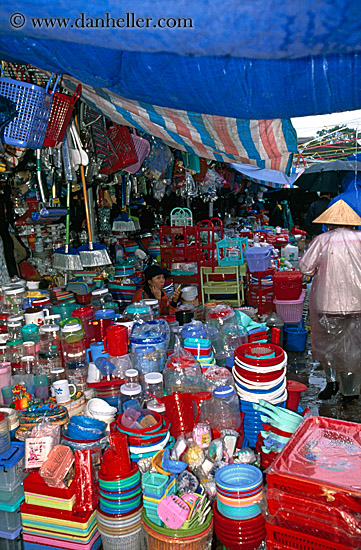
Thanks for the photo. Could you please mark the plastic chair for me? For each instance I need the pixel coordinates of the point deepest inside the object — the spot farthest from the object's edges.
(180, 217)
(210, 286)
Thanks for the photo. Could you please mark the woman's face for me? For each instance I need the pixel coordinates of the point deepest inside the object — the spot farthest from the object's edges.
(158, 281)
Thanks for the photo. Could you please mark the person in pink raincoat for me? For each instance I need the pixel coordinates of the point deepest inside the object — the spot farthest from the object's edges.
(333, 259)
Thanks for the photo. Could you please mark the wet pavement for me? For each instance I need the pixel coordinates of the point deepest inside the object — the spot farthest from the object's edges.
(303, 368)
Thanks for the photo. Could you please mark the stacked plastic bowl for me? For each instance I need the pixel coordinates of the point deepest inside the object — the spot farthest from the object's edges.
(238, 521)
(259, 373)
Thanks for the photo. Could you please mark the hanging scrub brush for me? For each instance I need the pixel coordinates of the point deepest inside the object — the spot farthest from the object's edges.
(67, 258)
(91, 254)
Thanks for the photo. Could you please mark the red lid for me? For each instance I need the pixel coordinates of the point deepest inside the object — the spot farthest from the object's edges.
(202, 396)
(83, 312)
(2, 416)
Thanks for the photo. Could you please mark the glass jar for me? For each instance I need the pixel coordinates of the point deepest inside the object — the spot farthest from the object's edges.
(30, 348)
(19, 317)
(100, 298)
(153, 384)
(154, 305)
(225, 411)
(14, 329)
(129, 392)
(14, 299)
(27, 365)
(14, 352)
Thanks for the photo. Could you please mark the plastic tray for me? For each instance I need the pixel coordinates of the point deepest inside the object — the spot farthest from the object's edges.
(12, 467)
(33, 543)
(38, 493)
(322, 460)
(279, 538)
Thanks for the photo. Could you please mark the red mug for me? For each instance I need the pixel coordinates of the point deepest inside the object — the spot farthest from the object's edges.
(116, 340)
(100, 327)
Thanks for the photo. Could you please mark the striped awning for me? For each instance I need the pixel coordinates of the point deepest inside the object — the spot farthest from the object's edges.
(263, 143)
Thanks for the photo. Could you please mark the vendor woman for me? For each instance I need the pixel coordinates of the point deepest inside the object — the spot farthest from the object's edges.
(153, 288)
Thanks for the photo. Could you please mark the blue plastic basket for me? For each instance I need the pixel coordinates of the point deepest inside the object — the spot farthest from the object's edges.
(230, 251)
(258, 258)
(33, 104)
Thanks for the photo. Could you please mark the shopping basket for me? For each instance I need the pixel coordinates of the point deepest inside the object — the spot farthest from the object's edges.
(60, 114)
(142, 149)
(33, 104)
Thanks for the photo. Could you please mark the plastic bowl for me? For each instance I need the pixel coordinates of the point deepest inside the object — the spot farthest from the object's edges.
(235, 477)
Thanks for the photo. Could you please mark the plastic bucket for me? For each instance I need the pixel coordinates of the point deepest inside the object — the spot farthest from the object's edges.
(295, 339)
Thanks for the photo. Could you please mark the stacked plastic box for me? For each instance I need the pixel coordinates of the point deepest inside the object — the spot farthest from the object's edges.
(11, 496)
(314, 490)
(49, 521)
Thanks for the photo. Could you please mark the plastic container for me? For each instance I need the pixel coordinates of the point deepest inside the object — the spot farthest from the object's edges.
(287, 285)
(129, 392)
(5, 377)
(85, 314)
(258, 258)
(225, 413)
(100, 297)
(13, 299)
(50, 338)
(30, 333)
(12, 467)
(11, 540)
(4, 433)
(10, 519)
(73, 343)
(27, 365)
(13, 329)
(295, 338)
(139, 311)
(153, 383)
(290, 310)
(14, 353)
(229, 334)
(154, 305)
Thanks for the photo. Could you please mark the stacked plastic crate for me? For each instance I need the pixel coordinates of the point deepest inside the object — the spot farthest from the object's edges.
(313, 488)
(11, 496)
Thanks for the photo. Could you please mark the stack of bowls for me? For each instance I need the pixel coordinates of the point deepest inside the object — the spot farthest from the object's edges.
(259, 373)
(244, 534)
(101, 410)
(120, 494)
(239, 490)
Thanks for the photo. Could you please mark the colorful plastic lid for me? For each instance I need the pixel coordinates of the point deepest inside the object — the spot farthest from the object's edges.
(30, 329)
(104, 314)
(223, 391)
(100, 291)
(49, 328)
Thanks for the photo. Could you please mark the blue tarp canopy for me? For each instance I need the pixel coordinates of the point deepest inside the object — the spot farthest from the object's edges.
(259, 59)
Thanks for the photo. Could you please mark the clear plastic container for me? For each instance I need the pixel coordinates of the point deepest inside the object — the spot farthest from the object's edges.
(30, 333)
(145, 359)
(50, 338)
(228, 334)
(129, 392)
(4, 433)
(27, 363)
(154, 305)
(14, 353)
(13, 329)
(86, 316)
(131, 376)
(12, 467)
(225, 413)
(74, 353)
(10, 518)
(5, 377)
(153, 383)
(216, 376)
(100, 298)
(139, 311)
(182, 373)
(14, 299)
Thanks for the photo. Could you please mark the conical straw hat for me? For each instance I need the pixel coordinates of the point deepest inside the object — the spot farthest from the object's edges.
(340, 213)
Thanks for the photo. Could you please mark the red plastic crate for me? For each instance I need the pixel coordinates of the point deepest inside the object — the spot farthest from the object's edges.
(287, 285)
(279, 538)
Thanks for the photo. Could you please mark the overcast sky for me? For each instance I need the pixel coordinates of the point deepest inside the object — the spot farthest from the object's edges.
(307, 126)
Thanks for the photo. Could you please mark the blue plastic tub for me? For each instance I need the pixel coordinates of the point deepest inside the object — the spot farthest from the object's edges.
(294, 338)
